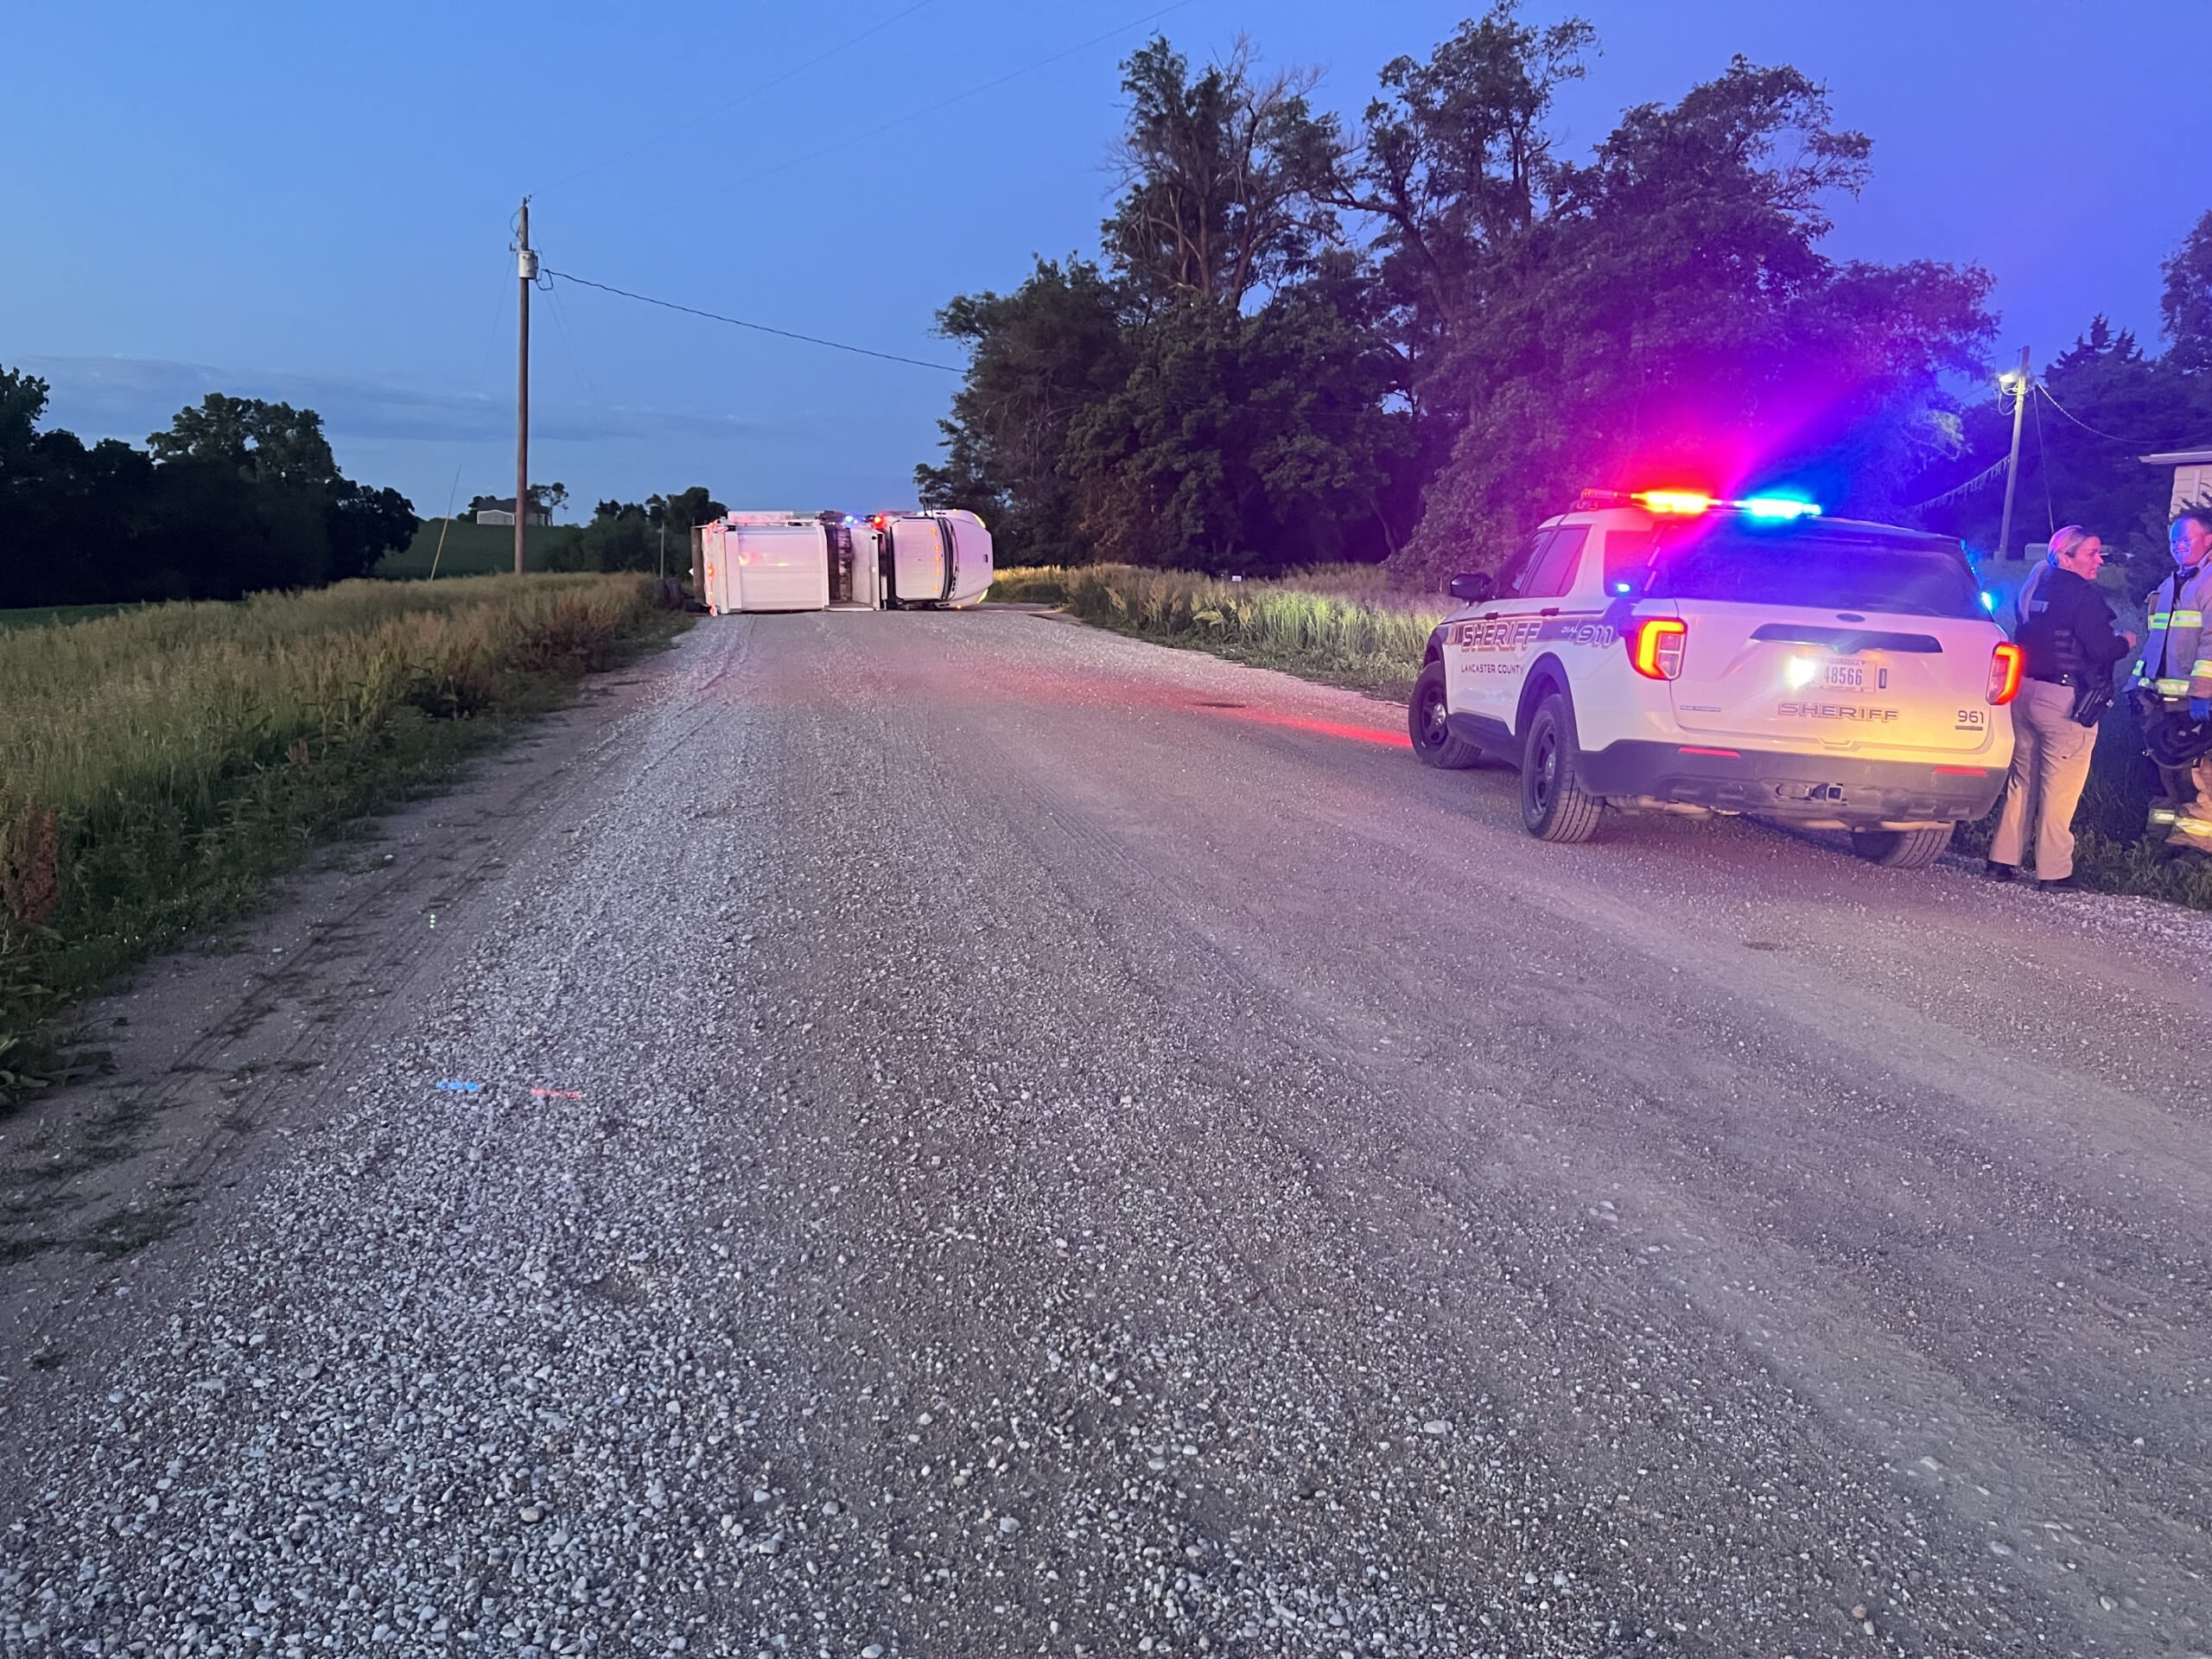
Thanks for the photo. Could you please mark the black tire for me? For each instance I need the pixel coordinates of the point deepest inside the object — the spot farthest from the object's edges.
(1554, 804)
(1426, 723)
(1901, 850)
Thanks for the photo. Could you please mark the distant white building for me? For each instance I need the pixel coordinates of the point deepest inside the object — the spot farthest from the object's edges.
(2192, 477)
(503, 513)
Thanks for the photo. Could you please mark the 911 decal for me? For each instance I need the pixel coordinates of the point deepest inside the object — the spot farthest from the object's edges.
(1516, 632)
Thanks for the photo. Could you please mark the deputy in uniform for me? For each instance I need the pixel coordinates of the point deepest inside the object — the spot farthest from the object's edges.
(2174, 673)
(2067, 636)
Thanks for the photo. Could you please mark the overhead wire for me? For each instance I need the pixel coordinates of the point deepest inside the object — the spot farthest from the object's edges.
(576, 360)
(758, 327)
(2042, 470)
(933, 107)
(2109, 437)
(1982, 480)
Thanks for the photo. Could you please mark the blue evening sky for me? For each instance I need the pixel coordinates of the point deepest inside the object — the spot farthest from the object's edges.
(312, 202)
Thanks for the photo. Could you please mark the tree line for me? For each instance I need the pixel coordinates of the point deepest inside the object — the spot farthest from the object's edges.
(238, 495)
(1409, 338)
(654, 534)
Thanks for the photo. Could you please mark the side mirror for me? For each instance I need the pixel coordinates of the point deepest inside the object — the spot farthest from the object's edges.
(1472, 587)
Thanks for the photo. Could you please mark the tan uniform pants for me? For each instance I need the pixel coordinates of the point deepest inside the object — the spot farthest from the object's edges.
(2050, 763)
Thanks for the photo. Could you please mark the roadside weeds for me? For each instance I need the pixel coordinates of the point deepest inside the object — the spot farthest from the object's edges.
(166, 764)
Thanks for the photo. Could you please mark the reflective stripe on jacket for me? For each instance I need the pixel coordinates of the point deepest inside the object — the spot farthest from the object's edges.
(2176, 660)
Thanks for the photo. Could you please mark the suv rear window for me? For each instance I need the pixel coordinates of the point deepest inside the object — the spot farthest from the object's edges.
(1826, 567)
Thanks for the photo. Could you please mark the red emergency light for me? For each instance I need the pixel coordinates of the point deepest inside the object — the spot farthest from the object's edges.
(1683, 501)
(1688, 504)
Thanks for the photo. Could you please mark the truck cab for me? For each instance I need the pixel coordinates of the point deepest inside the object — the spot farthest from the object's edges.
(932, 559)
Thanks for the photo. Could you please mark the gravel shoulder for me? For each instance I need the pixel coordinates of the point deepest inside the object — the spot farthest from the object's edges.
(995, 1137)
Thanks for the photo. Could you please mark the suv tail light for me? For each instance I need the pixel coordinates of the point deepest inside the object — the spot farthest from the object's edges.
(2005, 666)
(1655, 647)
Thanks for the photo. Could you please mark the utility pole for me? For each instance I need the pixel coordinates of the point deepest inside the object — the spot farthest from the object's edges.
(2018, 382)
(527, 270)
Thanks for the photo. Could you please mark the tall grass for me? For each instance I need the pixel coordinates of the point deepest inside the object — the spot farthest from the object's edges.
(1341, 624)
(157, 766)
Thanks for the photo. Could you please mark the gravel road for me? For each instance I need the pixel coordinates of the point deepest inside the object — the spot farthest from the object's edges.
(982, 1136)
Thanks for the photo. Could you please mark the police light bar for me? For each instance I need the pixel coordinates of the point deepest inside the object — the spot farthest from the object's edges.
(1690, 503)
(1775, 506)
(1674, 501)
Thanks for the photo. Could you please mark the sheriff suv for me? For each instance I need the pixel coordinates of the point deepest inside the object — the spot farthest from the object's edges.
(1666, 652)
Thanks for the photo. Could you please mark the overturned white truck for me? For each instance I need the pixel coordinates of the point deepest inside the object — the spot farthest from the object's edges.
(891, 562)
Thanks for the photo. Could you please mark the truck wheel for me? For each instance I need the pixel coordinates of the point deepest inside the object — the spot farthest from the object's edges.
(1553, 803)
(1428, 724)
(1901, 850)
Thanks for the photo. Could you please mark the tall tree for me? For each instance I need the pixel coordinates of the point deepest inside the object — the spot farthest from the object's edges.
(1038, 357)
(1248, 442)
(22, 402)
(2186, 306)
(237, 495)
(1455, 167)
(1226, 178)
(270, 443)
(1672, 312)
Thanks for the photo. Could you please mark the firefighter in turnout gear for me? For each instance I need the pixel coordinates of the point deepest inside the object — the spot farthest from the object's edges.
(2173, 675)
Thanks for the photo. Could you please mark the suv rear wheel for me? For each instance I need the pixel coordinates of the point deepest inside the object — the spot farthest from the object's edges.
(1428, 722)
(1554, 804)
(1901, 850)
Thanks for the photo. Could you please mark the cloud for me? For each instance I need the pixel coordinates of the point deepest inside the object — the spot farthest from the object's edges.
(129, 396)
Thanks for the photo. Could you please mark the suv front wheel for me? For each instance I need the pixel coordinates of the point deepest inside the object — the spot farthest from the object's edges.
(1554, 804)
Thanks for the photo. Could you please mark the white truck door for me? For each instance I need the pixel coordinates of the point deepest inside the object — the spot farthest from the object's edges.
(779, 566)
(921, 563)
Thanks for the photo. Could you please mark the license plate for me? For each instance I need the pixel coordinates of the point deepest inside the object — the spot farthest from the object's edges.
(1849, 677)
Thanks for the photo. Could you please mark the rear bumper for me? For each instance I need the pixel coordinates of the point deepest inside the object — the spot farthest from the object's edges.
(1785, 785)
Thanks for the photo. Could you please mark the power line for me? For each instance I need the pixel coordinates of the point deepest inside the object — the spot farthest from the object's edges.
(1982, 480)
(577, 359)
(2043, 466)
(751, 91)
(758, 327)
(2133, 443)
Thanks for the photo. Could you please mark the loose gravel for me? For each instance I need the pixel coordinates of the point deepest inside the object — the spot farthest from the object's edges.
(995, 1137)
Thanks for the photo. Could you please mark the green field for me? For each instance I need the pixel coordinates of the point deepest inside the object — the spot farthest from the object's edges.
(471, 550)
(42, 615)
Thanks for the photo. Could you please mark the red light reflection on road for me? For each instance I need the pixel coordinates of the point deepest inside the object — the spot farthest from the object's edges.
(1325, 728)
